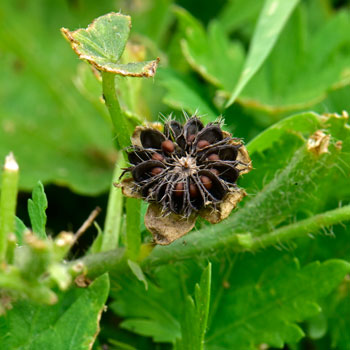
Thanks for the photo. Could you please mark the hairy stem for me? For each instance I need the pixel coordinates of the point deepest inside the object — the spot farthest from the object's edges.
(205, 242)
(9, 188)
(209, 241)
(115, 200)
(302, 228)
(118, 119)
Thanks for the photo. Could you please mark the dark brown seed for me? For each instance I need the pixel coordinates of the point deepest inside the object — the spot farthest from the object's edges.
(156, 170)
(190, 138)
(157, 156)
(168, 146)
(215, 171)
(179, 189)
(213, 157)
(206, 182)
(193, 190)
(202, 143)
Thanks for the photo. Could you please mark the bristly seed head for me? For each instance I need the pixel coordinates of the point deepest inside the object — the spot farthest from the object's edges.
(186, 168)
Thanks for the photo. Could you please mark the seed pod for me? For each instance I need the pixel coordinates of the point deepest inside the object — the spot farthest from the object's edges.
(189, 170)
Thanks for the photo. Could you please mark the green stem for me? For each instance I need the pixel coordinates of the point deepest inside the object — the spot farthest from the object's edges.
(118, 119)
(115, 201)
(299, 229)
(9, 188)
(133, 234)
(205, 244)
(209, 242)
(99, 263)
(114, 214)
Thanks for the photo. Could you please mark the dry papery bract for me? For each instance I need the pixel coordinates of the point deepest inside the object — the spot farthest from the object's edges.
(184, 171)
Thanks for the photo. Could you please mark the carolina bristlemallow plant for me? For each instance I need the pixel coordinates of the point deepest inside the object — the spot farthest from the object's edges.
(183, 171)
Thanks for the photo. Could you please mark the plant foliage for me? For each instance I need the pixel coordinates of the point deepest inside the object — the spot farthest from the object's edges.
(274, 274)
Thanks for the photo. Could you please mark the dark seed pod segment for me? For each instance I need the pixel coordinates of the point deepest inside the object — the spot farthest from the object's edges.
(186, 171)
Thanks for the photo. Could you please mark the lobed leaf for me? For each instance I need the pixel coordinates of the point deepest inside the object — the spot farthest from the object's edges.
(247, 309)
(195, 318)
(137, 271)
(338, 307)
(37, 210)
(266, 310)
(154, 312)
(20, 229)
(73, 323)
(316, 69)
(211, 54)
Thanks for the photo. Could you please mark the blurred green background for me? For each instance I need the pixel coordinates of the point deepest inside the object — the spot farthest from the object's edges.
(51, 112)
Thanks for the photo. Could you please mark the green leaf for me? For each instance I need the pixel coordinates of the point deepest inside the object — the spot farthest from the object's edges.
(236, 13)
(20, 229)
(212, 55)
(154, 312)
(288, 191)
(317, 326)
(337, 310)
(272, 19)
(103, 42)
(304, 123)
(97, 243)
(266, 310)
(72, 323)
(37, 210)
(279, 86)
(137, 271)
(247, 309)
(184, 95)
(194, 324)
